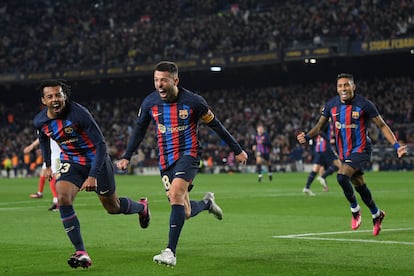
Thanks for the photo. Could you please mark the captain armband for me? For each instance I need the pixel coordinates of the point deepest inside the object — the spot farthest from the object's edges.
(208, 117)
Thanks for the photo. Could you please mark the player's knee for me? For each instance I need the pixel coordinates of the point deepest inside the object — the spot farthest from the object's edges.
(187, 213)
(342, 179)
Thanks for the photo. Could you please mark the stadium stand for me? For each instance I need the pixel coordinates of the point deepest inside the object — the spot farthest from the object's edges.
(43, 35)
(239, 109)
(46, 36)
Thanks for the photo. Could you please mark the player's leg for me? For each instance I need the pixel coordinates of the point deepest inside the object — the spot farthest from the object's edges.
(41, 184)
(119, 205)
(177, 195)
(193, 208)
(366, 196)
(67, 192)
(259, 167)
(67, 187)
(334, 162)
(344, 180)
(52, 185)
(311, 177)
(269, 169)
(321, 172)
(176, 180)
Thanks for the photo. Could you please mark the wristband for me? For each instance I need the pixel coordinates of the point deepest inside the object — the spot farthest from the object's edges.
(396, 146)
(307, 138)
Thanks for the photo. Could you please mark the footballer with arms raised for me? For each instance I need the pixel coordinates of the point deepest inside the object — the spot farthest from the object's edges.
(176, 113)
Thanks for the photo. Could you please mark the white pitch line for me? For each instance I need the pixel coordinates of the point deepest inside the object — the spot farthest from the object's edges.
(311, 236)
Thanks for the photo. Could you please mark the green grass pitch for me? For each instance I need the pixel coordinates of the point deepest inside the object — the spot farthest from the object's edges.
(268, 228)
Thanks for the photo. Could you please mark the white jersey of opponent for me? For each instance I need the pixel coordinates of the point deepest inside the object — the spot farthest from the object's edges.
(55, 156)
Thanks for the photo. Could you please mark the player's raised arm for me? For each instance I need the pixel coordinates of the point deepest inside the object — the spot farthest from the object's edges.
(303, 137)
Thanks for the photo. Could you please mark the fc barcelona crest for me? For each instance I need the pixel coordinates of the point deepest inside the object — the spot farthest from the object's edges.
(355, 114)
(183, 114)
(68, 130)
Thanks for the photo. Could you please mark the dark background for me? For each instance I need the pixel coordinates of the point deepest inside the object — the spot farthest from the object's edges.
(325, 69)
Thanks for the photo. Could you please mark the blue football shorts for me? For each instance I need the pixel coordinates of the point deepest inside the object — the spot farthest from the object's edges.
(77, 174)
(186, 167)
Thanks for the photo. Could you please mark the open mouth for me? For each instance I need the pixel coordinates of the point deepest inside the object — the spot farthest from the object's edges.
(163, 93)
(56, 107)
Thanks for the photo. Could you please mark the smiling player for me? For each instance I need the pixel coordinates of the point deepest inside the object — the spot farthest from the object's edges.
(351, 115)
(85, 163)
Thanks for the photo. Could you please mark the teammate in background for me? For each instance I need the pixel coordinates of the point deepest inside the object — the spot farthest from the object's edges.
(325, 161)
(55, 158)
(176, 112)
(262, 148)
(85, 163)
(351, 115)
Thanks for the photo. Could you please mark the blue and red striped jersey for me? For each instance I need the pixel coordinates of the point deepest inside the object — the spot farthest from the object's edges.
(262, 143)
(351, 122)
(321, 144)
(323, 140)
(176, 125)
(77, 133)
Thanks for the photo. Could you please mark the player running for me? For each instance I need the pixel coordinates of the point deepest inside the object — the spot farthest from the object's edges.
(351, 115)
(85, 163)
(176, 113)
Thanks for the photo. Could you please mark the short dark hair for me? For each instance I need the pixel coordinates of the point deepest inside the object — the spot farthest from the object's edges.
(345, 75)
(66, 88)
(167, 66)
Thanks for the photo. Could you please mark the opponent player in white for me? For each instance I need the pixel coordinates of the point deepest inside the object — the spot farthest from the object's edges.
(55, 151)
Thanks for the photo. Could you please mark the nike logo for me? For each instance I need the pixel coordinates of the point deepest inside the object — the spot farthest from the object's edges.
(156, 114)
(67, 230)
(348, 161)
(103, 192)
(335, 114)
(178, 173)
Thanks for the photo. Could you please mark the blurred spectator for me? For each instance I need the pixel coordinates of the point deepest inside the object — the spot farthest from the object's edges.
(44, 35)
(241, 109)
(7, 165)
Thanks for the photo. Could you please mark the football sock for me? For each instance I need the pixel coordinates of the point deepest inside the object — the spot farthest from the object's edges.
(198, 206)
(52, 187)
(129, 206)
(41, 185)
(72, 227)
(259, 168)
(330, 171)
(269, 170)
(346, 185)
(311, 177)
(177, 218)
(366, 197)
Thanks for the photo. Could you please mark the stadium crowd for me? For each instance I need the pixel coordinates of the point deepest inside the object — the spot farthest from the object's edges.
(44, 35)
(240, 109)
